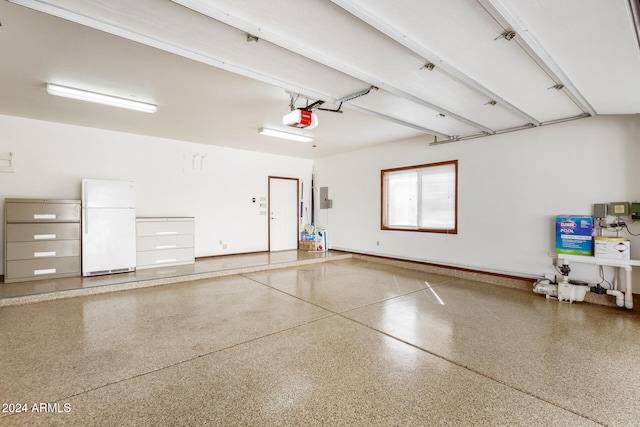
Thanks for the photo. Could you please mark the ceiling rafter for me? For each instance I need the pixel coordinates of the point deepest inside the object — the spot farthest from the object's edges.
(459, 70)
(430, 57)
(219, 63)
(634, 12)
(527, 41)
(168, 47)
(264, 34)
(397, 121)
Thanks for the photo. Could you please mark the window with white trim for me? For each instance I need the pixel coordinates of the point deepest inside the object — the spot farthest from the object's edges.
(421, 198)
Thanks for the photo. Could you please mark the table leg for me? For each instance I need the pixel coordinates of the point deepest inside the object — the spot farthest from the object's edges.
(628, 292)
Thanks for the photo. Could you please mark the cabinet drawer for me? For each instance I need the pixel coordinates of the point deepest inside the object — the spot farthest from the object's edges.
(42, 212)
(40, 268)
(38, 232)
(164, 228)
(176, 241)
(165, 257)
(48, 249)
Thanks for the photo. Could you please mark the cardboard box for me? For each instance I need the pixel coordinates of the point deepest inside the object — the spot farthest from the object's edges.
(307, 245)
(574, 235)
(612, 247)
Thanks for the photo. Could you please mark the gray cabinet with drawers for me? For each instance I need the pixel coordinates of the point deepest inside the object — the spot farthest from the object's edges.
(42, 239)
(164, 241)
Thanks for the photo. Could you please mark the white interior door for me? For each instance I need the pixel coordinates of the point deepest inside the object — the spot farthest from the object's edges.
(283, 214)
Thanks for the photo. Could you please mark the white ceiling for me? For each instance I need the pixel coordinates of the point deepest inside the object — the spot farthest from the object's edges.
(447, 70)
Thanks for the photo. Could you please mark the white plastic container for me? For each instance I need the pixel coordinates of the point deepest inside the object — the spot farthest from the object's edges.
(570, 292)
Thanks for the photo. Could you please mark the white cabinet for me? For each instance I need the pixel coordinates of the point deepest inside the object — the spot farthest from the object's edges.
(164, 241)
(42, 239)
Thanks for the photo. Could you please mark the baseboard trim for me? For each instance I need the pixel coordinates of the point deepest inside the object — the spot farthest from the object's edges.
(509, 281)
(516, 282)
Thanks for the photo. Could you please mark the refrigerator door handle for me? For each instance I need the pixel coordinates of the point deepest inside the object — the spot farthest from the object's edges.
(85, 205)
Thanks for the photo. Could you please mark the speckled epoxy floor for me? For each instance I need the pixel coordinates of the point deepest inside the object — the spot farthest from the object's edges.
(347, 342)
(63, 287)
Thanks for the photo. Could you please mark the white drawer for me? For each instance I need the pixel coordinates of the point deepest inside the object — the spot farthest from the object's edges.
(165, 257)
(46, 249)
(40, 232)
(164, 228)
(176, 241)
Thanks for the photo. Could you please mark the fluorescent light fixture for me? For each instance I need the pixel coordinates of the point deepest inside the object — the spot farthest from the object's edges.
(83, 95)
(285, 135)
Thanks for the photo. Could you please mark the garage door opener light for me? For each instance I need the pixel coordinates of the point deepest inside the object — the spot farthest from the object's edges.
(285, 135)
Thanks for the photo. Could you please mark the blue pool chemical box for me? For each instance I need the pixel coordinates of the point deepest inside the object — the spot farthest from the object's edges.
(574, 235)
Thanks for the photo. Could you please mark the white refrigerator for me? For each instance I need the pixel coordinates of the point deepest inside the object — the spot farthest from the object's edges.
(108, 227)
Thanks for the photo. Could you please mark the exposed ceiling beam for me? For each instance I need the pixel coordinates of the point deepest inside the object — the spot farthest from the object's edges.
(528, 42)
(168, 47)
(441, 66)
(265, 34)
(397, 121)
(171, 48)
(634, 11)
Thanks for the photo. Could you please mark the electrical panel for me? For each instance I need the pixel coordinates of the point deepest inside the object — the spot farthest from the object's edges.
(619, 208)
(325, 202)
(635, 210)
(600, 210)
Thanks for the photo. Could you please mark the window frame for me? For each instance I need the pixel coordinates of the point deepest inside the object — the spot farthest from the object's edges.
(383, 205)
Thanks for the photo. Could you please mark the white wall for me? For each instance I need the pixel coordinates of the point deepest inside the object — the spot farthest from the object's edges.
(511, 187)
(52, 159)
